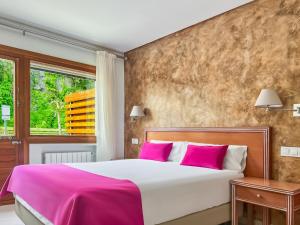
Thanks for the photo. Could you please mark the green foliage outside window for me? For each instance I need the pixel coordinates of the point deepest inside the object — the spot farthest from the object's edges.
(48, 90)
(7, 91)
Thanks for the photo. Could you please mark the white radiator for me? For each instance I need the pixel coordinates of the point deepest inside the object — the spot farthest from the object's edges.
(68, 157)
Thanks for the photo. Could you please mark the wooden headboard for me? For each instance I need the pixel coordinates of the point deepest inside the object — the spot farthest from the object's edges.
(256, 138)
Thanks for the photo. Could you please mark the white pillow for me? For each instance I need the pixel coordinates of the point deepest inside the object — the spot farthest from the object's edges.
(235, 158)
(177, 149)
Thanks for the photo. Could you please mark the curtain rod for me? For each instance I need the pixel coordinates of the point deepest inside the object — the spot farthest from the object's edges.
(24, 28)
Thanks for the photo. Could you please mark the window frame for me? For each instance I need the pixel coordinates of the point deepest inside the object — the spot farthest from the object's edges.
(82, 137)
(24, 66)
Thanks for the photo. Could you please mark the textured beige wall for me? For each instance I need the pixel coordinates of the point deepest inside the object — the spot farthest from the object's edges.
(210, 75)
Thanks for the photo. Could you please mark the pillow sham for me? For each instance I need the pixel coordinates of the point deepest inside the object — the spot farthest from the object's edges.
(178, 148)
(235, 158)
(158, 152)
(205, 156)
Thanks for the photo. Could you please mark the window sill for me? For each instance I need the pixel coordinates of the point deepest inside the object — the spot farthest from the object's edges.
(61, 139)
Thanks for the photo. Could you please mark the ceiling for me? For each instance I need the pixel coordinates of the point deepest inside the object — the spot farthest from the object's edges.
(117, 24)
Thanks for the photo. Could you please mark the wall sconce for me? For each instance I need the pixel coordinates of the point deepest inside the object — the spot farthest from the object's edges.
(136, 112)
(270, 100)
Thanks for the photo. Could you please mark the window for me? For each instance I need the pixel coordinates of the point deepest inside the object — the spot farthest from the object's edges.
(7, 95)
(62, 101)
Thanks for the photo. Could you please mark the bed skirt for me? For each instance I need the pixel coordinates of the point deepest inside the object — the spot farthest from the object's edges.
(213, 216)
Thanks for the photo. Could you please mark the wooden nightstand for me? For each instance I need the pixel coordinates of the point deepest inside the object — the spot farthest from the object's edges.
(267, 193)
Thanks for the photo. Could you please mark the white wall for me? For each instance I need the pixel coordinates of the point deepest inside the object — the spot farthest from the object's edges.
(29, 42)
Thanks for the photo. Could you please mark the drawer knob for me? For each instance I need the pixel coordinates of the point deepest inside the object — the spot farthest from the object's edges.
(258, 195)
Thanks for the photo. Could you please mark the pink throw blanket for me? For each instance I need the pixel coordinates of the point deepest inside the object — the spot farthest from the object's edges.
(68, 196)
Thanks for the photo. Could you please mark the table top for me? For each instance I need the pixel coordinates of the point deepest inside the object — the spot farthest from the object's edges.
(266, 184)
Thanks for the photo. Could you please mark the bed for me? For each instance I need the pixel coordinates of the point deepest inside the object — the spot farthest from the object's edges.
(176, 194)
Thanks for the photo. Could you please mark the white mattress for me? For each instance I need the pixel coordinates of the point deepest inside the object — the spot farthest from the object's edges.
(169, 190)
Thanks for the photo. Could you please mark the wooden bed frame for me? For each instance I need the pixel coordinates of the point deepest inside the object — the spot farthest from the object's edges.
(258, 164)
(256, 138)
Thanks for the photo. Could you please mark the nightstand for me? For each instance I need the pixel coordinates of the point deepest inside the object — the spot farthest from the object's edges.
(269, 194)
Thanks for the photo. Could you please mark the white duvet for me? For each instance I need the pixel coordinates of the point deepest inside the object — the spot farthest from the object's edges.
(168, 190)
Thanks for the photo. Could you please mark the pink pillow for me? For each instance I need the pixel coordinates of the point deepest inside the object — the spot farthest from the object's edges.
(154, 151)
(205, 156)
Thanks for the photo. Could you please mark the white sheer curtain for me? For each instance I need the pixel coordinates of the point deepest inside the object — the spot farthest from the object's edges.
(106, 94)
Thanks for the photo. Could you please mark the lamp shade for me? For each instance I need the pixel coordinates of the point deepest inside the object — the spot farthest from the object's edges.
(137, 111)
(268, 98)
